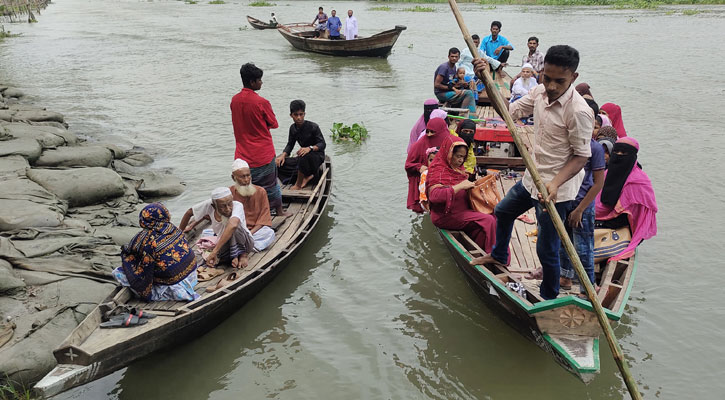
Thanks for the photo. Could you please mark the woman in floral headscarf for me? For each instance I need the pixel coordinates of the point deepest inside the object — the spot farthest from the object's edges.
(158, 263)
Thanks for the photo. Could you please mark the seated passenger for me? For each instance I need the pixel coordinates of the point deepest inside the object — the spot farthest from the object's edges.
(614, 113)
(608, 146)
(443, 86)
(431, 152)
(607, 132)
(627, 197)
(416, 162)
(312, 145)
(447, 185)
(428, 107)
(466, 131)
(466, 58)
(228, 223)
(256, 205)
(523, 85)
(158, 263)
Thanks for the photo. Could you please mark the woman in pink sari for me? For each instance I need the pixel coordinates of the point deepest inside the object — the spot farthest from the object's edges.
(627, 196)
(447, 185)
(417, 160)
(428, 107)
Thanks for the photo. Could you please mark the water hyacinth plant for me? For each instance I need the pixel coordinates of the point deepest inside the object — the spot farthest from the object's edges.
(343, 133)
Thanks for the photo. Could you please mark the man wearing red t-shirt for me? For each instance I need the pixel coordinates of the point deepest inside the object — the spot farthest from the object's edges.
(252, 117)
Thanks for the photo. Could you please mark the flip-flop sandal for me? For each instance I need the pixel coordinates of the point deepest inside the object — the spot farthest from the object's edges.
(229, 279)
(124, 320)
(138, 312)
(208, 274)
(526, 219)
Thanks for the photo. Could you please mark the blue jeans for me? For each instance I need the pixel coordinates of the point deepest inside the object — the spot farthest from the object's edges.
(466, 99)
(517, 201)
(583, 240)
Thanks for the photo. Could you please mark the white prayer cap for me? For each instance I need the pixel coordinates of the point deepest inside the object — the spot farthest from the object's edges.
(528, 65)
(220, 193)
(239, 164)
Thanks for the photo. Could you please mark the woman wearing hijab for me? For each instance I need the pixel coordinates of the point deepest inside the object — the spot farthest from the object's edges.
(524, 83)
(614, 113)
(448, 186)
(158, 264)
(627, 197)
(436, 132)
(466, 130)
(428, 107)
(584, 90)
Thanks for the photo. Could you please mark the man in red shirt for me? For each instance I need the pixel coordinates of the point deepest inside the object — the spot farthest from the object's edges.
(252, 117)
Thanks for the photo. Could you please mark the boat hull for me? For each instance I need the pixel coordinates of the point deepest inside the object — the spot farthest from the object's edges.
(379, 45)
(258, 24)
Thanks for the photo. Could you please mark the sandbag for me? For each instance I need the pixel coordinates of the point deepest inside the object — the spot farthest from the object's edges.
(13, 165)
(47, 136)
(138, 159)
(26, 147)
(85, 156)
(8, 281)
(121, 235)
(80, 186)
(16, 214)
(154, 185)
(13, 92)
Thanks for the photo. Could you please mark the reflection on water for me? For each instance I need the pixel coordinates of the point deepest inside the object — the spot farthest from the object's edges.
(373, 306)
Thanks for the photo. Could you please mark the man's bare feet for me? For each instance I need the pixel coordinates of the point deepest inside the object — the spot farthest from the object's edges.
(295, 187)
(282, 213)
(243, 261)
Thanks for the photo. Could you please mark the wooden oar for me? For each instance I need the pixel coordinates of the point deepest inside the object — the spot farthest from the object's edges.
(501, 107)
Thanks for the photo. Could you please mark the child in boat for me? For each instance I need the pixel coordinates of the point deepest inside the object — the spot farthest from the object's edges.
(431, 152)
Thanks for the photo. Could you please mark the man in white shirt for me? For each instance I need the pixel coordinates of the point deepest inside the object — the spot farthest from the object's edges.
(466, 58)
(228, 223)
(563, 124)
(350, 26)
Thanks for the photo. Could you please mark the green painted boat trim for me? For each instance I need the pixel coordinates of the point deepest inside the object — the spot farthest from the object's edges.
(574, 364)
(546, 304)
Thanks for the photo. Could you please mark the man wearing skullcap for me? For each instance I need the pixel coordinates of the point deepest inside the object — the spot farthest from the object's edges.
(229, 225)
(256, 205)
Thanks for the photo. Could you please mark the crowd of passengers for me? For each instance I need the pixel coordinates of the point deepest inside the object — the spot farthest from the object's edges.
(582, 151)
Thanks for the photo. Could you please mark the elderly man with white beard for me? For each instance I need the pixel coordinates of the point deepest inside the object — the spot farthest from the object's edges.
(256, 205)
(229, 225)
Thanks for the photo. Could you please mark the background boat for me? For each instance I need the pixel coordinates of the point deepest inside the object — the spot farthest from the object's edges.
(301, 36)
(259, 24)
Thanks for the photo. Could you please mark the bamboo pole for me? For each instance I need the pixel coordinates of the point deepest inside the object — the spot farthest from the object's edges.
(502, 108)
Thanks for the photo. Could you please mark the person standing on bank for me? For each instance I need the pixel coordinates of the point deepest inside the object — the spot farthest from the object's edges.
(350, 26)
(563, 134)
(334, 25)
(312, 145)
(252, 118)
(495, 45)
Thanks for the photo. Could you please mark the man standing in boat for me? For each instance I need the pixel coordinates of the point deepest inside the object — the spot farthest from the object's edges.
(252, 117)
(350, 26)
(321, 19)
(562, 135)
(334, 25)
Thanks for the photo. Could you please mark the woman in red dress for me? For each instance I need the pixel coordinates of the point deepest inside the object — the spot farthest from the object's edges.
(448, 186)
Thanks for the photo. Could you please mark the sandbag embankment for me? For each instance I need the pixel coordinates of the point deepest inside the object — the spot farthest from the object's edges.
(66, 207)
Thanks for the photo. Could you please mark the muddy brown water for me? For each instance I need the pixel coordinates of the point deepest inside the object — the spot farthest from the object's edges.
(373, 306)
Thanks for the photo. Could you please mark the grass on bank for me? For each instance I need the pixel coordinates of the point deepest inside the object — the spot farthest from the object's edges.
(419, 9)
(217, 2)
(262, 3)
(613, 3)
(10, 390)
(381, 8)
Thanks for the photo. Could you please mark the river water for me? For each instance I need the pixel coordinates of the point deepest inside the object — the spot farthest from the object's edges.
(373, 306)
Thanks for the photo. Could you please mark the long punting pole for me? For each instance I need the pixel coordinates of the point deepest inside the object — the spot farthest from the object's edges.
(502, 109)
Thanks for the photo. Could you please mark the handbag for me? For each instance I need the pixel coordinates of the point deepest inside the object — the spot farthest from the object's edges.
(610, 242)
(485, 195)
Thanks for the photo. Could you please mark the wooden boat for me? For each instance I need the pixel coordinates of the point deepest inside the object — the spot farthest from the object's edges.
(90, 353)
(565, 327)
(259, 24)
(301, 36)
(502, 80)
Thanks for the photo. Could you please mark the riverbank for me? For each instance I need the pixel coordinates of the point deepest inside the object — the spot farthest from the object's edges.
(67, 204)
